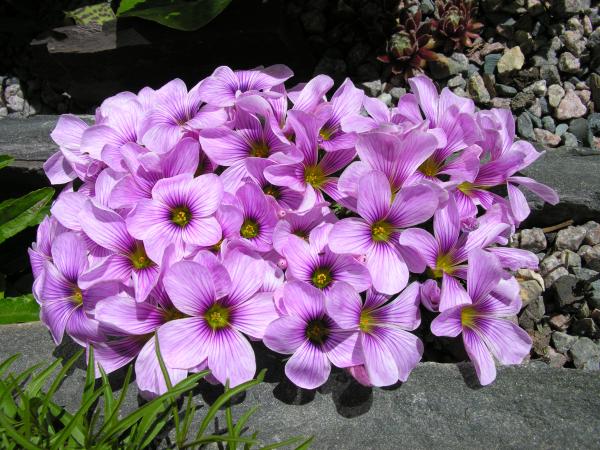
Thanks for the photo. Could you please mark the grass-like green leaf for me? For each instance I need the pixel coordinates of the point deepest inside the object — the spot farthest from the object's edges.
(20, 213)
(185, 15)
(5, 160)
(19, 309)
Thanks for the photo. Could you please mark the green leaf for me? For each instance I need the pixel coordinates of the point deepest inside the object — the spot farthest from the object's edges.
(19, 309)
(99, 13)
(5, 160)
(182, 15)
(20, 213)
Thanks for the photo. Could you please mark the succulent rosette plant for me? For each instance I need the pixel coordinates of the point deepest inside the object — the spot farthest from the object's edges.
(199, 221)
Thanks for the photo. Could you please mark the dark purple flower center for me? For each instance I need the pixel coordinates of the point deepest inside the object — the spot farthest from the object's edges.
(321, 277)
(381, 231)
(217, 316)
(181, 216)
(317, 331)
(249, 229)
(273, 191)
(303, 234)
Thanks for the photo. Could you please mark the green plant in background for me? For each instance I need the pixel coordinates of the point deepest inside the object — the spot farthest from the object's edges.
(185, 15)
(16, 215)
(31, 419)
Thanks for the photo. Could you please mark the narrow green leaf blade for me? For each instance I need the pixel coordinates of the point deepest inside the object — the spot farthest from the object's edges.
(19, 309)
(182, 15)
(20, 213)
(5, 160)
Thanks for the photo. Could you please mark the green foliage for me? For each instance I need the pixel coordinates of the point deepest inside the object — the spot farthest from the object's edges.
(185, 15)
(18, 309)
(16, 214)
(31, 419)
(99, 13)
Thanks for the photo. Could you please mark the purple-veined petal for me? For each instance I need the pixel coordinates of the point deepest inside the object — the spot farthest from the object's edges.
(285, 335)
(388, 270)
(448, 323)
(184, 342)
(128, 316)
(344, 305)
(226, 346)
(190, 286)
(308, 367)
(452, 293)
(480, 356)
(148, 374)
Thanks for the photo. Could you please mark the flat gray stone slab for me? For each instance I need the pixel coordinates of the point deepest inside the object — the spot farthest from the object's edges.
(440, 406)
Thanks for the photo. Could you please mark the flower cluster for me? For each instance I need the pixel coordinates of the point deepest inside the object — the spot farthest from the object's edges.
(202, 221)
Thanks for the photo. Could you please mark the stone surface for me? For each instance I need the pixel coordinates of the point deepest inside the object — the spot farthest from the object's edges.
(570, 107)
(585, 354)
(511, 60)
(533, 239)
(591, 257)
(555, 94)
(573, 173)
(477, 89)
(546, 137)
(569, 63)
(570, 238)
(563, 341)
(441, 405)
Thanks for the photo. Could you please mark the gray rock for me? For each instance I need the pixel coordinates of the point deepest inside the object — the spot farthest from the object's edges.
(538, 88)
(579, 128)
(591, 256)
(570, 259)
(584, 274)
(559, 322)
(334, 67)
(585, 327)
(549, 72)
(592, 235)
(490, 62)
(575, 42)
(563, 341)
(444, 67)
(595, 88)
(512, 59)
(569, 140)
(371, 88)
(570, 107)
(594, 296)
(477, 89)
(345, 415)
(546, 137)
(533, 313)
(585, 354)
(314, 22)
(549, 263)
(551, 277)
(530, 290)
(570, 7)
(570, 238)
(561, 129)
(569, 63)
(499, 102)
(533, 239)
(505, 90)
(397, 93)
(457, 81)
(525, 126)
(555, 94)
(385, 98)
(522, 101)
(548, 124)
(563, 290)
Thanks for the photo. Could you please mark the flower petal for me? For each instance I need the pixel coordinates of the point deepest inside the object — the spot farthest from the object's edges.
(308, 367)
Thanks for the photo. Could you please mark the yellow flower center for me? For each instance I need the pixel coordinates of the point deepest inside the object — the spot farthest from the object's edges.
(317, 331)
(217, 316)
(381, 231)
(181, 216)
(326, 133)
(259, 150)
(443, 264)
(77, 296)
(429, 167)
(366, 321)
(314, 176)
(249, 229)
(468, 316)
(139, 258)
(322, 277)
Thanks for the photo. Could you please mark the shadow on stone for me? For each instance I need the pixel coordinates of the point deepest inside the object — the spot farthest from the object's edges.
(468, 373)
